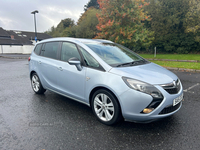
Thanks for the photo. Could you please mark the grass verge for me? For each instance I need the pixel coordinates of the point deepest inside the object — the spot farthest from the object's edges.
(172, 56)
(186, 65)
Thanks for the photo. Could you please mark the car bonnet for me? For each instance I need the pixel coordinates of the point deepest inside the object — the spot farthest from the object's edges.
(149, 73)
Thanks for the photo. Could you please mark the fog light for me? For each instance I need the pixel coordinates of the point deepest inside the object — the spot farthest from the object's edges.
(148, 110)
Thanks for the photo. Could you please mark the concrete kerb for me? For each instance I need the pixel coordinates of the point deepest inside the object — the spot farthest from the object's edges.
(183, 69)
(15, 56)
(197, 61)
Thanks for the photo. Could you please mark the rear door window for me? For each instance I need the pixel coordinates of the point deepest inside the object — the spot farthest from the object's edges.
(50, 49)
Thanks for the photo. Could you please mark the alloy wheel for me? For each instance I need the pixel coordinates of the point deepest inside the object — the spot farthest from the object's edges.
(35, 83)
(104, 107)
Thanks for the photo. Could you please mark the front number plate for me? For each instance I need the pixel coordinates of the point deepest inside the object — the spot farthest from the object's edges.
(178, 100)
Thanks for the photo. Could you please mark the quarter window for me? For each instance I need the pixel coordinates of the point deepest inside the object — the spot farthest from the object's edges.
(89, 60)
(37, 49)
(69, 50)
(50, 50)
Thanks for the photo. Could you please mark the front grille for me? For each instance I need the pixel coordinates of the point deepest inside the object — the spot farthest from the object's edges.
(170, 109)
(172, 88)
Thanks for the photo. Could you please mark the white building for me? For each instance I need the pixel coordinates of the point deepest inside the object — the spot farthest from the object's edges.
(13, 41)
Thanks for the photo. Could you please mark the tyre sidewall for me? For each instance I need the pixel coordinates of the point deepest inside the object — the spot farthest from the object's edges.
(41, 89)
(117, 110)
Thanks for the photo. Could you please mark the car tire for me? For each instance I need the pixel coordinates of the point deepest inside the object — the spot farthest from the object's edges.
(36, 84)
(106, 108)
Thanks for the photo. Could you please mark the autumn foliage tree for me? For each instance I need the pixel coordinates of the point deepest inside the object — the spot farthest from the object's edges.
(122, 21)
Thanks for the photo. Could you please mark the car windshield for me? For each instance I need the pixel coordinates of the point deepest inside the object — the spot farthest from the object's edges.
(116, 55)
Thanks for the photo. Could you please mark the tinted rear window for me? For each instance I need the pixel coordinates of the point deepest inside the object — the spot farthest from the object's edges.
(50, 50)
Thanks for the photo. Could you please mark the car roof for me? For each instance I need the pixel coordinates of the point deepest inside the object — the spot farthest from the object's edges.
(94, 40)
(82, 40)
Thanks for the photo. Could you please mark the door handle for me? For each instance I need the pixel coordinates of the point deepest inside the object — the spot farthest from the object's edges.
(39, 62)
(60, 68)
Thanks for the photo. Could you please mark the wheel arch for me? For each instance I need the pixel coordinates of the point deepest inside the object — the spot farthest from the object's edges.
(32, 73)
(101, 87)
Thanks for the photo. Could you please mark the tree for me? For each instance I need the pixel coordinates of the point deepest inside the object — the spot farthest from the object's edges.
(91, 3)
(169, 24)
(69, 31)
(68, 22)
(86, 26)
(58, 31)
(122, 21)
(193, 19)
(50, 31)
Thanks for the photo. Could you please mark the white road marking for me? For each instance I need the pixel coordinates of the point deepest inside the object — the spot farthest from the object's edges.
(191, 87)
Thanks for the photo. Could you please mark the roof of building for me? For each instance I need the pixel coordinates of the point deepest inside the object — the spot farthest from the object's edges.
(10, 42)
(31, 35)
(20, 39)
(3, 33)
(14, 37)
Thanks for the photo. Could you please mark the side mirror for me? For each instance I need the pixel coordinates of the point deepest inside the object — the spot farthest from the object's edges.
(75, 61)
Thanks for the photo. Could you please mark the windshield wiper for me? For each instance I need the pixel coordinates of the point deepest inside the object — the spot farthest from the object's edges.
(125, 64)
(143, 61)
(139, 62)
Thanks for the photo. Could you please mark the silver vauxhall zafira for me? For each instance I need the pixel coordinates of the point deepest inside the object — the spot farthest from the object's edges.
(113, 80)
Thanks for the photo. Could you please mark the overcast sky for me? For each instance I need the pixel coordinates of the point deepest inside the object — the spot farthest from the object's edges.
(16, 14)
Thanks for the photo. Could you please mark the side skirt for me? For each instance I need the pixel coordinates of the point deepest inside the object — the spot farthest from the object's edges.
(69, 97)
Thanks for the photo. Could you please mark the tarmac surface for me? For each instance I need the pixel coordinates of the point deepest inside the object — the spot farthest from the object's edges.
(53, 122)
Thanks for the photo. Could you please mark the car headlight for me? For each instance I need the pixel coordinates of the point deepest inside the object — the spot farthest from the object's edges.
(143, 87)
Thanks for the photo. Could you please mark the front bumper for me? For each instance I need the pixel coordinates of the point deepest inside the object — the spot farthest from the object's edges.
(133, 102)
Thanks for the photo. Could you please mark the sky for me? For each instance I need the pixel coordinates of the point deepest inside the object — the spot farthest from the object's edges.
(16, 14)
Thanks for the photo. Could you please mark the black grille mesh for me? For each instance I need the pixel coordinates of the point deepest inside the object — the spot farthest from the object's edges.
(173, 90)
(170, 109)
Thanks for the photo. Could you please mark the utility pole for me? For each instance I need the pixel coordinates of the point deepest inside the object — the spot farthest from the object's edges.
(34, 12)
